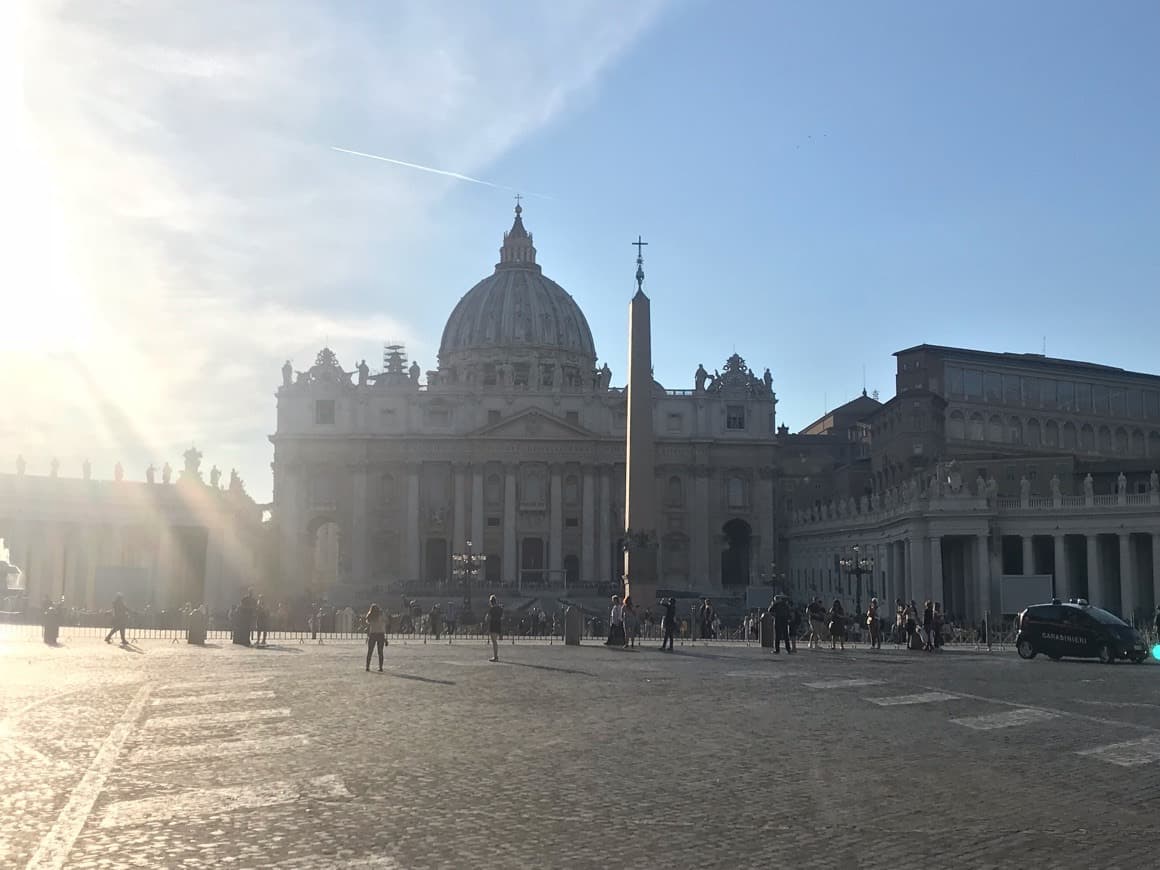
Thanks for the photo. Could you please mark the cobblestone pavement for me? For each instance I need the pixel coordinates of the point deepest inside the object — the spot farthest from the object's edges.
(168, 755)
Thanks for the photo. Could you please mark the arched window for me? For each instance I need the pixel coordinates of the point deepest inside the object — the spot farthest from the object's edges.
(1121, 442)
(976, 433)
(1016, 427)
(1105, 439)
(1051, 434)
(1034, 433)
(995, 429)
(1067, 438)
(675, 493)
(1138, 446)
(1087, 437)
(956, 426)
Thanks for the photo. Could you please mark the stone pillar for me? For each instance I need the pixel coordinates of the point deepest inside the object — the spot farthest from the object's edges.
(914, 581)
(459, 509)
(1095, 585)
(414, 547)
(359, 537)
(982, 574)
(509, 563)
(588, 526)
(556, 525)
(1028, 555)
(640, 455)
(891, 586)
(701, 537)
(1062, 580)
(603, 525)
(764, 505)
(477, 507)
(1128, 585)
(936, 570)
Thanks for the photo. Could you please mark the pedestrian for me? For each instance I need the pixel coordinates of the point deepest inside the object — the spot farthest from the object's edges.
(615, 623)
(668, 623)
(435, 621)
(795, 625)
(261, 621)
(449, 619)
(631, 622)
(494, 619)
(928, 625)
(912, 639)
(817, 618)
(780, 609)
(376, 633)
(899, 621)
(120, 620)
(873, 625)
(939, 620)
(707, 620)
(837, 624)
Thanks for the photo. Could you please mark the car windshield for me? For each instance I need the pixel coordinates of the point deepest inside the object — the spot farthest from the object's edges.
(1105, 617)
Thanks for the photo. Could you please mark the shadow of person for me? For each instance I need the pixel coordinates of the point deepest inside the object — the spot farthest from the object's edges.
(416, 678)
(548, 668)
(273, 647)
(131, 647)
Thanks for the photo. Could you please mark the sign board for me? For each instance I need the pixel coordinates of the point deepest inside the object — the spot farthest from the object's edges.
(1017, 591)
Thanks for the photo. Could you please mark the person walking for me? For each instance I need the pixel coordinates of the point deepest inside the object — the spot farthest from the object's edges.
(668, 623)
(912, 639)
(928, 625)
(261, 622)
(435, 621)
(494, 619)
(837, 624)
(874, 625)
(899, 621)
(449, 619)
(376, 633)
(631, 622)
(795, 625)
(120, 620)
(780, 608)
(615, 623)
(817, 616)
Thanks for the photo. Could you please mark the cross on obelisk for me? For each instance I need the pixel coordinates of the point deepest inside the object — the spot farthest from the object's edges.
(640, 245)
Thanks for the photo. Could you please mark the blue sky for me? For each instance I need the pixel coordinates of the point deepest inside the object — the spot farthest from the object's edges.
(820, 184)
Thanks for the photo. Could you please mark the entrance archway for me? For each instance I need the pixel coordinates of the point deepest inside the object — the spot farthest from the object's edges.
(735, 555)
(532, 561)
(325, 548)
(435, 562)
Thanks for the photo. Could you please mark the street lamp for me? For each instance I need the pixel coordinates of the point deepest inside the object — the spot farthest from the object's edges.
(465, 568)
(856, 567)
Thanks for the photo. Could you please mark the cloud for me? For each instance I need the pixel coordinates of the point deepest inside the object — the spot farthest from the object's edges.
(186, 227)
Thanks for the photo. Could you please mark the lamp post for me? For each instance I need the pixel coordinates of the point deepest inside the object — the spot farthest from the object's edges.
(856, 567)
(465, 567)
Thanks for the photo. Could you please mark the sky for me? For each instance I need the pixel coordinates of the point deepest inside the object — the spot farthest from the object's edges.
(820, 185)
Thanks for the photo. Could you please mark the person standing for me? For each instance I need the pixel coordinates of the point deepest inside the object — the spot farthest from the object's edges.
(837, 624)
(449, 619)
(376, 633)
(261, 621)
(615, 623)
(668, 623)
(928, 625)
(631, 622)
(780, 609)
(795, 625)
(912, 641)
(817, 612)
(494, 619)
(120, 620)
(707, 616)
(874, 625)
(435, 621)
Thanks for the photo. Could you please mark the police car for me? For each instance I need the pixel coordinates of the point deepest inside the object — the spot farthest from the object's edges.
(1074, 629)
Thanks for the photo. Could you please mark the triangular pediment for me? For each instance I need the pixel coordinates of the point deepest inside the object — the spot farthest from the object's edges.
(533, 423)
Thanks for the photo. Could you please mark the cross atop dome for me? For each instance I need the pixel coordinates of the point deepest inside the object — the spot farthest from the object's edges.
(517, 248)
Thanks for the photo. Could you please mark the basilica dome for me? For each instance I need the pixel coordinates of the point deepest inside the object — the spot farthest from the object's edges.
(517, 312)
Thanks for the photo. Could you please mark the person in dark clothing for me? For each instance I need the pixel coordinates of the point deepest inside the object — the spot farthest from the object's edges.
(120, 620)
(795, 625)
(780, 609)
(669, 623)
(837, 624)
(817, 613)
(494, 619)
(928, 626)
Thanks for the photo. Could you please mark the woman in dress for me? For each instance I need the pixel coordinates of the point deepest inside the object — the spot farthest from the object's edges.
(837, 625)
(376, 634)
(631, 622)
(873, 624)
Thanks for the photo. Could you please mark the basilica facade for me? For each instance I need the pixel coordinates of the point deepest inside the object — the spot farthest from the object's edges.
(513, 448)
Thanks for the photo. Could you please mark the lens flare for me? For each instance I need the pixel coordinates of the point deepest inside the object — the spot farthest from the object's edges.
(1156, 652)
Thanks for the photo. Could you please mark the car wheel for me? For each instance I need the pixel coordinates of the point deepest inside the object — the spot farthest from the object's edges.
(1138, 658)
(1054, 658)
(1106, 656)
(1025, 649)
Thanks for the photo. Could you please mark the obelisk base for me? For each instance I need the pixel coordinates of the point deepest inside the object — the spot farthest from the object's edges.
(640, 577)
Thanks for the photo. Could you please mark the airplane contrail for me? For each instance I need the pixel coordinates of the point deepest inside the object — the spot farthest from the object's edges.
(445, 172)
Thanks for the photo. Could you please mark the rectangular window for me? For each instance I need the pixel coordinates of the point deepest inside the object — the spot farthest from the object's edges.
(492, 417)
(324, 412)
(1100, 399)
(973, 384)
(1031, 392)
(1011, 390)
(954, 381)
(1066, 396)
(438, 416)
(1135, 404)
(734, 416)
(1116, 402)
(1047, 392)
(1152, 405)
(1083, 398)
(571, 522)
(492, 522)
(993, 386)
(674, 423)
(572, 417)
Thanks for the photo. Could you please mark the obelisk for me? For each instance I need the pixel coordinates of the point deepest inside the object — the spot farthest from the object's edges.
(640, 527)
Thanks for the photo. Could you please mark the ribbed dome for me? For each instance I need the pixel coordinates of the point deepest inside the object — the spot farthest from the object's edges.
(517, 308)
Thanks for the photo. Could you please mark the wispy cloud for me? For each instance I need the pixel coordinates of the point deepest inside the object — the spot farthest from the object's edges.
(186, 230)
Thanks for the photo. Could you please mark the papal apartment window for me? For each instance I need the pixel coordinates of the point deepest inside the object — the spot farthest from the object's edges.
(674, 424)
(492, 417)
(572, 417)
(324, 412)
(438, 416)
(734, 416)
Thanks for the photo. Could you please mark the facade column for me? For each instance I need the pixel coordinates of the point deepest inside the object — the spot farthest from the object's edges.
(603, 524)
(588, 526)
(413, 545)
(1028, 555)
(1128, 584)
(459, 509)
(358, 525)
(701, 538)
(477, 507)
(936, 570)
(891, 579)
(509, 564)
(1094, 591)
(982, 574)
(556, 524)
(1156, 570)
(764, 505)
(1062, 580)
(913, 569)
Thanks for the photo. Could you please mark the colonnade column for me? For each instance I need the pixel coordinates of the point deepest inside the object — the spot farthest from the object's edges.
(983, 574)
(556, 524)
(891, 573)
(936, 570)
(603, 524)
(1028, 555)
(1093, 568)
(587, 526)
(459, 510)
(1128, 582)
(477, 507)
(414, 545)
(1062, 580)
(511, 570)
(914, 581)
